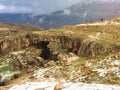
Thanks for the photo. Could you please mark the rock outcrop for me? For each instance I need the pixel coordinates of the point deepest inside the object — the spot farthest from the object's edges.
(13, 43)
(76, 45)
(71, 44)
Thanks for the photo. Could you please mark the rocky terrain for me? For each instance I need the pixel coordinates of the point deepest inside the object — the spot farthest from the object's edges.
(71, 57)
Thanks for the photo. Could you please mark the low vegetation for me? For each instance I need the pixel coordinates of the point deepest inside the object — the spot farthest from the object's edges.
(62, 60)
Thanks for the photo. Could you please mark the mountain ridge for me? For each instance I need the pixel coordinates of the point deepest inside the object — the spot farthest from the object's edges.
(80, 12)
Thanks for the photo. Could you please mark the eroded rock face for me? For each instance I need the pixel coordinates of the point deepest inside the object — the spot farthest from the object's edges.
(91, 49)
(34, 54)
(56, 44)
(13, 43)
(76, 45)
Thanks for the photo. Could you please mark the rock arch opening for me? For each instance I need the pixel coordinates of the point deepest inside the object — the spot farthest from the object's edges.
(45, 50)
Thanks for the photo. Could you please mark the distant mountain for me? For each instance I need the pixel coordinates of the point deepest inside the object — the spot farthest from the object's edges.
(15, 18)
(77, 13)
(86, 10)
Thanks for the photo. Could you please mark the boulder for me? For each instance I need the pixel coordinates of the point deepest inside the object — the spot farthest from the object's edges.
(59, 86)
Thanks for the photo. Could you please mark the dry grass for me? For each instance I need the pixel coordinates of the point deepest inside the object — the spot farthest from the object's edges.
(108, 34)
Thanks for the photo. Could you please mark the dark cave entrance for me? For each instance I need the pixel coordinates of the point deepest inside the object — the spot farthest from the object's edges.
(45, 51)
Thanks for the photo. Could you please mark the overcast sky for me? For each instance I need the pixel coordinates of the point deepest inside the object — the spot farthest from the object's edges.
(35, 6)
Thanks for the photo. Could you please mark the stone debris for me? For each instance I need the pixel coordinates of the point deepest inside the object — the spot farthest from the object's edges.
(67, 66)
(101, 71)
(67, 59)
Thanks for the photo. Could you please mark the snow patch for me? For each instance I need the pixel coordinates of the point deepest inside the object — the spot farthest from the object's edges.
(66, 86)
(94, 37)
(116, 62)
(18, 52)
(102, 72)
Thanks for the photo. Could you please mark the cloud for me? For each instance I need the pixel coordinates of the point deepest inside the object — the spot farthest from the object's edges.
(67, 12)
(1, 7)
(35, 6)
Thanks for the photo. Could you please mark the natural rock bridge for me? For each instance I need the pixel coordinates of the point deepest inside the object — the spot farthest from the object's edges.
(75, 45)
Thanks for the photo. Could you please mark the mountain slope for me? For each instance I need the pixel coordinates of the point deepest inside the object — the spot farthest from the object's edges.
(78, 13)
(85, 10)
(15, 18)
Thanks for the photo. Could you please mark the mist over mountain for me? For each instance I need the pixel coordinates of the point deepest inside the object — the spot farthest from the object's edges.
(40, 7)
(57, 13)
(37, 7)
(77, 13)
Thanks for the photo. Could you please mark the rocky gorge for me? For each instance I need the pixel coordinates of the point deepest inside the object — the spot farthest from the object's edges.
(72, 44)
(88, 54)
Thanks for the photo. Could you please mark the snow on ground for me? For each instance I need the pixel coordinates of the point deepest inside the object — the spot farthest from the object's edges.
(50, 85)
(100, 23)
(106, 68)
(94, 37)
(94, 24)
(18, 52)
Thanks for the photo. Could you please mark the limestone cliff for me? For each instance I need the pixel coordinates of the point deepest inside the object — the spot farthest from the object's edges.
(72, 44)
(85, 41)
